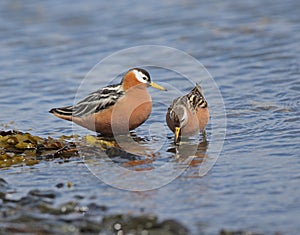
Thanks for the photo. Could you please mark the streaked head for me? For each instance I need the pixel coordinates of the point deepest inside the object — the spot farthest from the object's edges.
(179, 117)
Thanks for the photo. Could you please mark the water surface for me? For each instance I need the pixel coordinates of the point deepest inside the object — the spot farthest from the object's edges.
(251, 48)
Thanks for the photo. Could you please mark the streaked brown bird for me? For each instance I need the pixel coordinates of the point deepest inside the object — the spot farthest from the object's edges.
(188, 114)
(116, 108)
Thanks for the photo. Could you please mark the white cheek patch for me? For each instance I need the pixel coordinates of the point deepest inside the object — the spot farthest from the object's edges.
(180, 112)
(185, 116)
(139, 76)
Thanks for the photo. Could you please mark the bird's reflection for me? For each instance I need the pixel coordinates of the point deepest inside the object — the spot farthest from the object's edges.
(190, 152)
(139, 156)
(129, 151)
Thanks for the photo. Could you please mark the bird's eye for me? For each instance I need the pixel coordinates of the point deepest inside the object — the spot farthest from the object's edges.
(145, 78)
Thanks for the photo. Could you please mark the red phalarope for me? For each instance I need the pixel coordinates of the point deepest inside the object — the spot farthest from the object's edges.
(131, 98)
(188, 114)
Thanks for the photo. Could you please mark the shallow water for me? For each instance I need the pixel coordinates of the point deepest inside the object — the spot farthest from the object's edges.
(250, 48)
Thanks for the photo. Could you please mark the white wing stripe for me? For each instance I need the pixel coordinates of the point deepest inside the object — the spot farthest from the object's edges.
(98, 100)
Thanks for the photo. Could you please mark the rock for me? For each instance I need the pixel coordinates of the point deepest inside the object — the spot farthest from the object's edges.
(144, 224)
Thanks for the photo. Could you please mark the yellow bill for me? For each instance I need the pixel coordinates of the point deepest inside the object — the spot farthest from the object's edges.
(154, 85)
(177, 134)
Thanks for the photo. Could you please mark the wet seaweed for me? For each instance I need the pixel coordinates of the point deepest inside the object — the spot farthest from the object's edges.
(18, 148)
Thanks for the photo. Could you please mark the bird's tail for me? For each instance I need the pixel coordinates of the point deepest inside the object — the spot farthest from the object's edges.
(64, 112)
(198, 90)
(196, 97)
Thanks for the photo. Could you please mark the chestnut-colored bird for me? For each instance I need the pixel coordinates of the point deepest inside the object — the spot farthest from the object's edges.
(116, 108)
(188, 114)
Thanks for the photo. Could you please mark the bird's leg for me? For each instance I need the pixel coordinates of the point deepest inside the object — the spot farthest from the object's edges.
(204, 135)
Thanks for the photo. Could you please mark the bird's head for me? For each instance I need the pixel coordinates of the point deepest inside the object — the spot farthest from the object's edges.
(179, 117)
(138, 76)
